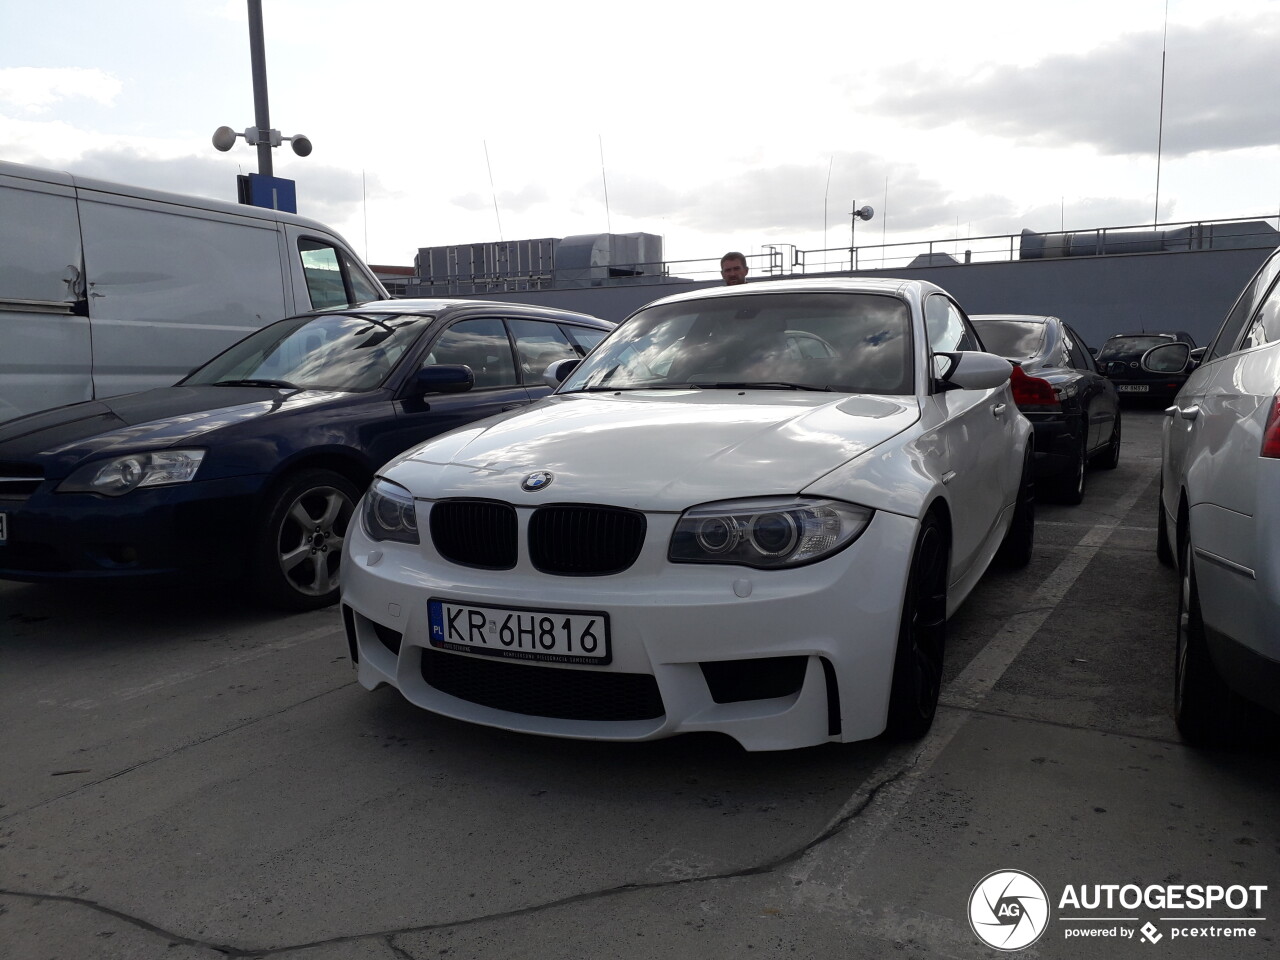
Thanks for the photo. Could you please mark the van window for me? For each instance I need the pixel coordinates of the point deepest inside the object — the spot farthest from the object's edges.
(324, 275)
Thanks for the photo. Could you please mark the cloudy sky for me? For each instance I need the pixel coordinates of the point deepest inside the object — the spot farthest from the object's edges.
(714, 125)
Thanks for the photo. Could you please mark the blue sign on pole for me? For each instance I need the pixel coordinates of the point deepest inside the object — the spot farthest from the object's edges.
(275, 193)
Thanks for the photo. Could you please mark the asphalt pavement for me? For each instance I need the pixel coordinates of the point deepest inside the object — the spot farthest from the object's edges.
(183, 775)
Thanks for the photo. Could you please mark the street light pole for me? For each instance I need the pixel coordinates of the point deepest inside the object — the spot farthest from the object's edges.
(261, 114)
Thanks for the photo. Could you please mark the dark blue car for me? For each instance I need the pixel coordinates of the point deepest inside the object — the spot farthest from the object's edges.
(252, 465)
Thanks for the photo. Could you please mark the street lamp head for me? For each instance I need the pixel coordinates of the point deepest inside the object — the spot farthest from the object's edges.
(301, 144)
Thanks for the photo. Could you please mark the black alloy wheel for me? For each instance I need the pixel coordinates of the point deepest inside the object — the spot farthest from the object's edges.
(1069, 488)
(1108, 458)
(917, 668)
(299, 546)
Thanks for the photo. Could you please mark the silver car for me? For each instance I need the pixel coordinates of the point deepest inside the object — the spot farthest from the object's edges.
(1219, 518)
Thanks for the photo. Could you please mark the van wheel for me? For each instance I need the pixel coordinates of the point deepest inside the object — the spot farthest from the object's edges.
(299, 547)
(917, 667)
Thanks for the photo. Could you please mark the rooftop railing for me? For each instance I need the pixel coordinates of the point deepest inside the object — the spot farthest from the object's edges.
(778, 260)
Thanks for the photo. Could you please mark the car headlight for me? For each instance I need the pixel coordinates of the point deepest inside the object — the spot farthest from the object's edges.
(390, 513)
(120, 475)
(767, 532)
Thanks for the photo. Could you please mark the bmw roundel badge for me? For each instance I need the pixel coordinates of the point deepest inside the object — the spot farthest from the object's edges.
(537, 481)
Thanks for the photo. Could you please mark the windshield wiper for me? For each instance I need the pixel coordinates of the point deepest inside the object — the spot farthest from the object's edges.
(599, 388)
(282, 384)
(758, 385)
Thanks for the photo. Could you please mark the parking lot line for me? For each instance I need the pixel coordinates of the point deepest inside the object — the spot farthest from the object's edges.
(883, 793)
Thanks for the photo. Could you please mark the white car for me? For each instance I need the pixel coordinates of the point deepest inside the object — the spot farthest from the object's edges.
(1219, 516)
(708, 527)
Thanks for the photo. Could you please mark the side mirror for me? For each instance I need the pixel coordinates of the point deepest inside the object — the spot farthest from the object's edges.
(1167, 358)
(554, 375)
(444, 378)
(971, 370)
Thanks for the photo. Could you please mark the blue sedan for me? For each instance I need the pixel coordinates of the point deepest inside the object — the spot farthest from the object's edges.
(254, 462)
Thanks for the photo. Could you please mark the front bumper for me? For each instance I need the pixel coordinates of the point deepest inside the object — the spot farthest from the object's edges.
(184, 529)
(774, 659)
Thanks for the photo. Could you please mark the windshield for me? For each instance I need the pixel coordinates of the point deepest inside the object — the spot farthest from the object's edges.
(848, 342)
(1011, 339)
(337, 351)
(1128, 346)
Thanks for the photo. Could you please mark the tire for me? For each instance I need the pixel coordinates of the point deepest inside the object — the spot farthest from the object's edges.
(1019, 539)
(1069, 488)
(1164, 552)
(1108, 458)
(299, 549)
(1206, 711)
(917, 666)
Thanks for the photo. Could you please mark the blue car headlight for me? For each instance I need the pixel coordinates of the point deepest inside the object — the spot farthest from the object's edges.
(767, 532)
(120, 475)
(389, 513)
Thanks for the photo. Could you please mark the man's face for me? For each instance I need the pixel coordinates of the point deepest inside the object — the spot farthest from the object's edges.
(733, 272)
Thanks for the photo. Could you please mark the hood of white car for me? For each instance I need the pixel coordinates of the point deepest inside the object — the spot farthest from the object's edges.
(654, 450)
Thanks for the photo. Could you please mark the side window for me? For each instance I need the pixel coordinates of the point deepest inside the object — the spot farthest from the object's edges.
(948, 329)
(538, 345)
(1265, 327)
(362, 290)
(584, 338)
(1244, 309)
(482, 345)
(1079, 357)
(334, 279)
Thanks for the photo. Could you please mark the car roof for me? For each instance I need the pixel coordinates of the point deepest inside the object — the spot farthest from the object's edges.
(1175, 334)
(1019, 317)
(876, 285)
(441, 304)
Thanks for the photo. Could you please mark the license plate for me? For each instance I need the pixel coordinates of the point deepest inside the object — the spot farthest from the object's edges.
(4, 527)
(520, 633)
(1132, 388)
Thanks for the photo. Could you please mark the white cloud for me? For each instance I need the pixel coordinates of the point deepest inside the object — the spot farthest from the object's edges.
(38, 89)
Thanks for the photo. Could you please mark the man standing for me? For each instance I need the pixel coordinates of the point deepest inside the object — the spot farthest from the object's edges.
(733, 268)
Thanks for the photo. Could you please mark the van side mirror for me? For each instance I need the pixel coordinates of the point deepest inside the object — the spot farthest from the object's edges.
(1167, 358)
(444, 378)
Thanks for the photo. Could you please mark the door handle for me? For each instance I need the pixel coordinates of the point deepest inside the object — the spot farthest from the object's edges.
(998, 410)
(1190, 413)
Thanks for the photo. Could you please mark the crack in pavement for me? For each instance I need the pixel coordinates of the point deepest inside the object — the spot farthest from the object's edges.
(833, 829)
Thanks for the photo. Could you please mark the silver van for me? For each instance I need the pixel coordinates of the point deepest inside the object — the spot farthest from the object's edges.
(108, 289)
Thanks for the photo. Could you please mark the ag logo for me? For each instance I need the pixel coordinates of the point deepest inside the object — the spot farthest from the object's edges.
(1008, 910)
(537, 481)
